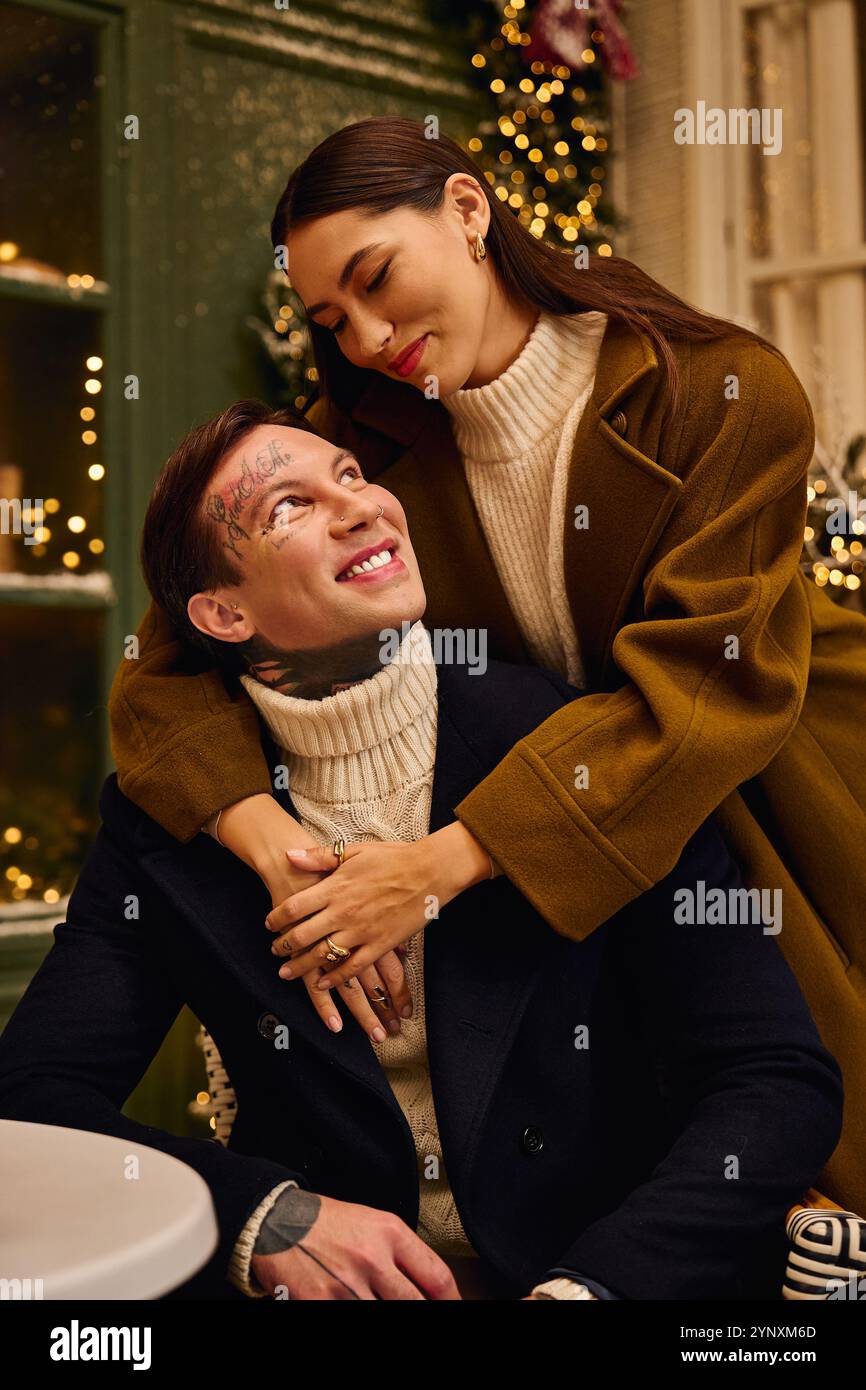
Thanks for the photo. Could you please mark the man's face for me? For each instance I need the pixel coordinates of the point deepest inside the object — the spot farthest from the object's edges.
(298, 517)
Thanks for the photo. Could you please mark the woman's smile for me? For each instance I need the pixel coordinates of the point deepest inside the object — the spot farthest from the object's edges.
(405, 363)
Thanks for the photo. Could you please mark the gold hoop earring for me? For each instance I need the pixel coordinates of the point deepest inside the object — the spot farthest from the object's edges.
(480, 248)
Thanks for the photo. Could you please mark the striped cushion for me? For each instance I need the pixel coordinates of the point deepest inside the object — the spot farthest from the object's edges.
(827, 1254)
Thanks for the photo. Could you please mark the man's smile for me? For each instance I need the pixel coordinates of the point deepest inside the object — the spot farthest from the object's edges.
(379, 561)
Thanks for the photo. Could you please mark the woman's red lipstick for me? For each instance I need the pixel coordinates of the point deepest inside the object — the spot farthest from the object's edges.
(406, 361)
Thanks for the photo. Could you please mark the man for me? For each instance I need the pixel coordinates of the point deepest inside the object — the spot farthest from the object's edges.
(626, 1117)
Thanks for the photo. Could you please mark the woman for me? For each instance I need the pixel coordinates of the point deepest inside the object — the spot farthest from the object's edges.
(607, 482)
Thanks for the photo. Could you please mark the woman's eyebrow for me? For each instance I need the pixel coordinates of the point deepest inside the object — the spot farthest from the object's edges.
(346, 274)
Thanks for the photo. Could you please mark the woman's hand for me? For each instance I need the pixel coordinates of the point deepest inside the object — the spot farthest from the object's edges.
(379, 897)
(380, 996)
(258, 831)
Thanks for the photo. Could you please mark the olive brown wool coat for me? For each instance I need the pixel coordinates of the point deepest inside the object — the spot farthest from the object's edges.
(693, 540)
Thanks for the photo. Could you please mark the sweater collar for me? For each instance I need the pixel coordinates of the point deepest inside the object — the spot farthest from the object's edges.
(403, 413)
(512, 414)
(366, 741)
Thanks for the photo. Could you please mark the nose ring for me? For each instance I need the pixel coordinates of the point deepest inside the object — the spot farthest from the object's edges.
(381, 512)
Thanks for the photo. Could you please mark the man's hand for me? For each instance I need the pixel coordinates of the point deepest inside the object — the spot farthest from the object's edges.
(314, 1247)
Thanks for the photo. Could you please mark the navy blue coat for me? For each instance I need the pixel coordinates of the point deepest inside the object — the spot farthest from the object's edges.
(612, 1160)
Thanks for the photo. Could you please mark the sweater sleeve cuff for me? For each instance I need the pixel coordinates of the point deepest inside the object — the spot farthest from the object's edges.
(240, 1273)
(564, 1288)
(599, 1291)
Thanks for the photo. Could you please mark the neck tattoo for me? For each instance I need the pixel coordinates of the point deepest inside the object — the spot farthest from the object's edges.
(315, 674)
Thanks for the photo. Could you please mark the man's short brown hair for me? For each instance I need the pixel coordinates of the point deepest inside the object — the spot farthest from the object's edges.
(182, 551)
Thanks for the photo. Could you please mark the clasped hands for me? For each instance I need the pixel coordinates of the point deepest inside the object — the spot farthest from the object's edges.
(374, 901)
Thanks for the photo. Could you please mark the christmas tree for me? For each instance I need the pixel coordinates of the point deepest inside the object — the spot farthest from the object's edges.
(544, 69)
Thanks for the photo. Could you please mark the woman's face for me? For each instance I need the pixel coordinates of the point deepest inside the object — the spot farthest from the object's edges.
(402, 291)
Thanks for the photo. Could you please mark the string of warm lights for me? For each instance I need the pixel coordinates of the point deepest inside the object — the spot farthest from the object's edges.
(76, 524)
(22, 850)
(845, 564)
(285, 333)
(21, 882)
(37, 515)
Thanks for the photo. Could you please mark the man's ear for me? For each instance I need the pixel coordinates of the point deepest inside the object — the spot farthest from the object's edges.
(218, 617)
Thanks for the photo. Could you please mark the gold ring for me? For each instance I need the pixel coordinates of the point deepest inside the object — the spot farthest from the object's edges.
(340, 850)
(378, 996)
(334, 951)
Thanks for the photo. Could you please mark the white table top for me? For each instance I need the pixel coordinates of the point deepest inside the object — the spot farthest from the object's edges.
(72, 1215)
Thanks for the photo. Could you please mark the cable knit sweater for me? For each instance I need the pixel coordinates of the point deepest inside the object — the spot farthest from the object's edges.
(516, 436)
(360, 765)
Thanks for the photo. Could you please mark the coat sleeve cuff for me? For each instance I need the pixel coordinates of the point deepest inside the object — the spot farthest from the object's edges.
(523, 818)
(240, 1273)
(209, 783)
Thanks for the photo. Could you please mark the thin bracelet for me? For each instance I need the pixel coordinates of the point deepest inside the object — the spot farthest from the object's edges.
(492, 865)
(216, 830)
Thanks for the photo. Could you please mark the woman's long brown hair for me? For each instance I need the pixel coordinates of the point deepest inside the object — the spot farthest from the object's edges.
(387, 162)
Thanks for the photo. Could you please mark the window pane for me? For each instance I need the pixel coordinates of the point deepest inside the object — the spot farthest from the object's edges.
(49, 135)
(50, 733)
(51, 434)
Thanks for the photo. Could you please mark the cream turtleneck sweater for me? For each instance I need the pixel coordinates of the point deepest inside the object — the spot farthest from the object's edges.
(516, 436)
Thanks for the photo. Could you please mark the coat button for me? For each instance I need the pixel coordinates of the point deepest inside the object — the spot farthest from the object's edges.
(619, 422)
(532, 1140)
(268, 1025)
(313, 1160)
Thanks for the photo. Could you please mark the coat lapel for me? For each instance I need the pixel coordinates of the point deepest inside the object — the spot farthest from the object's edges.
(628, 497)
(480, 960)
(474, 995)
(227, 904)
(617, 479)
